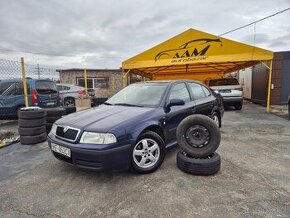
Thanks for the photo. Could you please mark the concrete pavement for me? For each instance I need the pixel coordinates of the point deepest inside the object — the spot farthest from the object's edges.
(253, 181)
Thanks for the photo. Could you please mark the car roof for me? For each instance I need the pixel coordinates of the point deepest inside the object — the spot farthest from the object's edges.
(171, 81)
(64, 84)
(27, 79)
(67, 84)
(222, 78)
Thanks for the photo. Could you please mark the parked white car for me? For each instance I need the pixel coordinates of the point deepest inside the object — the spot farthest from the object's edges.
(69, 93)
(230, 90)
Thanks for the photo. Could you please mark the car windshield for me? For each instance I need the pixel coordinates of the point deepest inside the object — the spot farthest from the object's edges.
(46, 87)
(141, 94)
(223, 82)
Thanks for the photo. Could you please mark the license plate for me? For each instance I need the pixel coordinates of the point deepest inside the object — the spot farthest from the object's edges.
(50, 103)
(225, 91)
(61, 150)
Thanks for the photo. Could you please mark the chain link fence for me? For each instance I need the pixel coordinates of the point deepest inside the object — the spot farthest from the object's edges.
(12, 90)
(55, 86)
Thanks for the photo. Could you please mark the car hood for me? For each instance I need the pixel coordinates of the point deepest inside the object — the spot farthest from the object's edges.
(104, 118)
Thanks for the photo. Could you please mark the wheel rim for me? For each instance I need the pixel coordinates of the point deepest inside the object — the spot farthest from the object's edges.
(216, 120)
(146, 153)
(69, 102)
(197, 136)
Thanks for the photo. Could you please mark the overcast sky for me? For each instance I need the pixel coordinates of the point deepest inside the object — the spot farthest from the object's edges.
(101, 34)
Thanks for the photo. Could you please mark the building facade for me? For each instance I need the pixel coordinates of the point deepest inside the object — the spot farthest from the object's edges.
(104, 82)
(256, 81)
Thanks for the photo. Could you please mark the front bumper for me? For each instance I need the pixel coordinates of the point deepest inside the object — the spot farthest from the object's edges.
(117, 158)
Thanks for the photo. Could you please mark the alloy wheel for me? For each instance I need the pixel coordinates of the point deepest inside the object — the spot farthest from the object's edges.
(216, 119)
(146, 153)
(69, 103)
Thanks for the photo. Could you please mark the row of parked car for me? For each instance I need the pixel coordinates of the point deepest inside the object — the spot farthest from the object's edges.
(47, 93)
(41, 93)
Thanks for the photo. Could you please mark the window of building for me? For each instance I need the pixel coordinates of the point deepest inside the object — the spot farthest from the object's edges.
(99, 82)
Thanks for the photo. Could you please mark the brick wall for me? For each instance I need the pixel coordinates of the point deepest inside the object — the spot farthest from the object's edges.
(70, 77)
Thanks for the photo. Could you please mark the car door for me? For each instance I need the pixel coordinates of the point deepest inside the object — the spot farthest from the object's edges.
(12, 97)
(204, 100)
(175, 114)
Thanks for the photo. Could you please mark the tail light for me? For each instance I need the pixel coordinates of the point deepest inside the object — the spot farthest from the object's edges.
(34, 97)
(81, 92)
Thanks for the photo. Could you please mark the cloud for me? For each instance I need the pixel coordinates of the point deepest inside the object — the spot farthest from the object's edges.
(101, 34)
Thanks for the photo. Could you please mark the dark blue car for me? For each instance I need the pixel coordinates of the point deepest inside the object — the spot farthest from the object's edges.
(41, 93)
(133, 128)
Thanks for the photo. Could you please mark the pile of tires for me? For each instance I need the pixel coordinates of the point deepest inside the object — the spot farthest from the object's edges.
(199, 137)
(52, 115)
(31, 125)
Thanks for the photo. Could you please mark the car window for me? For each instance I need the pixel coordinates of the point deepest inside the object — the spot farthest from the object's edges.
(223, 82)
(45, 87)
(206, 91)
(12, 88)
(197, 91)
(61, 88)
(179, 91)
(6, 88)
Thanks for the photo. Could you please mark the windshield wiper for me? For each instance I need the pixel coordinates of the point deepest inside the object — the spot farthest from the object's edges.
(106, 103)
(129, 105)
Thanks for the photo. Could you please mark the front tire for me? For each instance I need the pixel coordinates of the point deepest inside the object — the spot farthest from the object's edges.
(148, 153)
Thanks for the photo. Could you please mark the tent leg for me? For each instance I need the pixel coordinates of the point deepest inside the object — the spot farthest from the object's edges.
(269, 87)
(124, 76)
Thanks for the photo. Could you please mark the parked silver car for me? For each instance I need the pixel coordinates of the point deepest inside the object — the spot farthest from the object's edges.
(230, 90)
(70, 92)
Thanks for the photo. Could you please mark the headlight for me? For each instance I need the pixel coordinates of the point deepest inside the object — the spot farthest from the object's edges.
(98, 138)
(53, 129)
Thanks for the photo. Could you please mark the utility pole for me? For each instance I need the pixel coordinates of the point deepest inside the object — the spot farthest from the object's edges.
(38, 71)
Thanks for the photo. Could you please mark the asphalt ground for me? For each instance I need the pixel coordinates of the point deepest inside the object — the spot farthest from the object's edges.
(254, 180)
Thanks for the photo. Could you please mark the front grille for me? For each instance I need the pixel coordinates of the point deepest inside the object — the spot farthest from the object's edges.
(67, 133)
(63, 158)
(89, 164)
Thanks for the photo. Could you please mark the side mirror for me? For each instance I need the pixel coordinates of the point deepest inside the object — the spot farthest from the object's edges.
(175, 102)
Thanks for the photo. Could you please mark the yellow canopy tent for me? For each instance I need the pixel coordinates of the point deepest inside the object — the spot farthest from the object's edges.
(196, 55)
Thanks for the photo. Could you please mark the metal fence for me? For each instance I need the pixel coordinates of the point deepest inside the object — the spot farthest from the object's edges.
(70, 84)
(12, 87)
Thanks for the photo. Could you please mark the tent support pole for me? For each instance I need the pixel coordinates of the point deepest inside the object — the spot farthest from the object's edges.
(269, 84)
(125, 77)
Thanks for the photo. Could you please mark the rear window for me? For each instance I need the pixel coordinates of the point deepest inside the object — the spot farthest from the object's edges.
(45, 87)
(223, 82)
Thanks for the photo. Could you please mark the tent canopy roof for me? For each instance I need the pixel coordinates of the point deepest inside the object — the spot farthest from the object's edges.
(195, 55)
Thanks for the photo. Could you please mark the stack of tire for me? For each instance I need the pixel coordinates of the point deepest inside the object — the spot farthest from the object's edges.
(199, 137)
(52, 115)
(31, 125)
